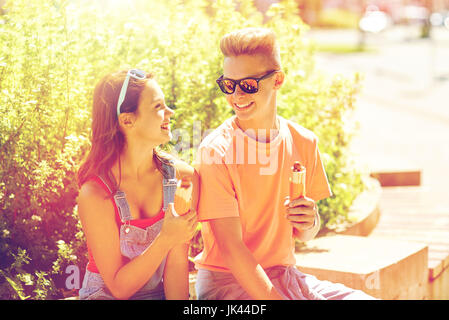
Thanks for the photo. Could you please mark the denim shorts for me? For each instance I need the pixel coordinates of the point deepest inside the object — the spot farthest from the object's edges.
(94, 288)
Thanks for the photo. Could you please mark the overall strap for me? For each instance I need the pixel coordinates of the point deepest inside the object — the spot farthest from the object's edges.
(169, 182)
(119, 196)
(122, 205)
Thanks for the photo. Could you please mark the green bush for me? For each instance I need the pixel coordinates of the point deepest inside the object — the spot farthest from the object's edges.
(51, 55)
(338, 18)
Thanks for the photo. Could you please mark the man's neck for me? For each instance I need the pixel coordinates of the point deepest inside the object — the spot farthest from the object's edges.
(262, 133)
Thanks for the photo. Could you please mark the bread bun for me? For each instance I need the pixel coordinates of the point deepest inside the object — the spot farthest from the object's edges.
(183, 196)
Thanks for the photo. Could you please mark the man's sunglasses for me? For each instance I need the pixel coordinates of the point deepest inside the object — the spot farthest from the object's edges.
(133, 73)
(248, 85)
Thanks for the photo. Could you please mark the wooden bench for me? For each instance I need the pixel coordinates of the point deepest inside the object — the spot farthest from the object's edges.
(383, 268)
(393, 178)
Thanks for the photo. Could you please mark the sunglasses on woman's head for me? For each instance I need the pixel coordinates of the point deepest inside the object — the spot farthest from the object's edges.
(133, 73)
(248, 85)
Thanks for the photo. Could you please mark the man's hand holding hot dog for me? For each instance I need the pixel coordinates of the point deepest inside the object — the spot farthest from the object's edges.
(303, 215)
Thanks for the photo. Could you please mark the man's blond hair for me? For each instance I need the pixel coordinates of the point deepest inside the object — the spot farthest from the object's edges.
(252, 41)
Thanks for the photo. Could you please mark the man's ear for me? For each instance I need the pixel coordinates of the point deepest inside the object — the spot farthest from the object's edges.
(279, 80)
(126, 120)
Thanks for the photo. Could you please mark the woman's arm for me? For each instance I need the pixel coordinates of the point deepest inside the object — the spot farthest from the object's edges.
(176, 273)
(124, 278)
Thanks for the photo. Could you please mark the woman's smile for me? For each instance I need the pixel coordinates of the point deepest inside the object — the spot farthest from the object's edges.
(166, 126)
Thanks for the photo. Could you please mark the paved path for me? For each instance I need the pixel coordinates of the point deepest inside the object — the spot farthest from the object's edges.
(403, 109)
(403, 113)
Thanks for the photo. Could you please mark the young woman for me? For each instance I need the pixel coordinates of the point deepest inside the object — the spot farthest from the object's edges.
(137, 243)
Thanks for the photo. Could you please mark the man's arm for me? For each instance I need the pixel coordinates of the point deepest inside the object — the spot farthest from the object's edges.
(248, 272)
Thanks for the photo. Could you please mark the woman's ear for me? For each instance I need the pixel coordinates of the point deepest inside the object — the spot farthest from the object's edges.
(126, 120)
(279, 80)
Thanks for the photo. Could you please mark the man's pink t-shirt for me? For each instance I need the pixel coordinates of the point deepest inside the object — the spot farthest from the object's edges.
(242, 177)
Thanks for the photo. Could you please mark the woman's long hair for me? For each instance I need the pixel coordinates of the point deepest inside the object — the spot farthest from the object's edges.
(107, 141)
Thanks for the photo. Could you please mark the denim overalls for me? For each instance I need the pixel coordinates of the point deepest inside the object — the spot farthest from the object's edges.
(133, 241)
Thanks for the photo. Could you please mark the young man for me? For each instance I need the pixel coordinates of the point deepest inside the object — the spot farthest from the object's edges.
(249, 224)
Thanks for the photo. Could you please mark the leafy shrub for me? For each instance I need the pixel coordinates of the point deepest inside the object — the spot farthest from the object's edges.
(338, 18)
(51, 55)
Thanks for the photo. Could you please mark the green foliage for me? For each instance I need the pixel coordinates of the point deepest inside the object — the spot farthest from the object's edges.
(338, 18)
(332, 105)
(51, 55)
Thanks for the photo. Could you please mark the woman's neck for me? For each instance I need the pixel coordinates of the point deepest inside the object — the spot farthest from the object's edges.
(136, 161)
